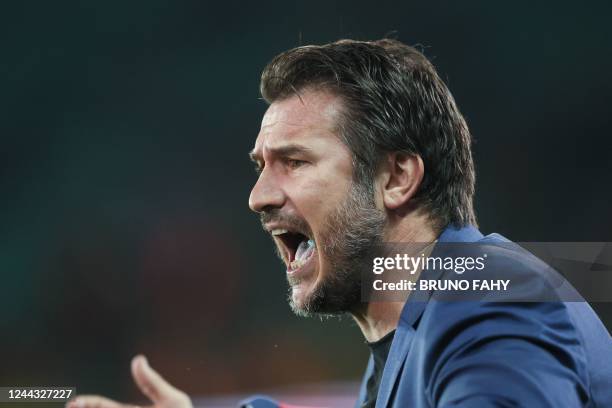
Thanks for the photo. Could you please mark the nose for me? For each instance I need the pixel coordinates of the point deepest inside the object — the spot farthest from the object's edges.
(266, 194)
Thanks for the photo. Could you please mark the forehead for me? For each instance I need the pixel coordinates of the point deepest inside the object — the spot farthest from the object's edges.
(311, 115)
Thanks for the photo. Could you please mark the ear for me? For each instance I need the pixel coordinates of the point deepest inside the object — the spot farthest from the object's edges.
(403, 174)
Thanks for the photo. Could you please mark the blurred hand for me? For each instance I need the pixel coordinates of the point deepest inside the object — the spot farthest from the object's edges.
(159, 391)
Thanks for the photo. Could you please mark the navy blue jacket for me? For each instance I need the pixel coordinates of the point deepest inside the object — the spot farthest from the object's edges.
(496, 354)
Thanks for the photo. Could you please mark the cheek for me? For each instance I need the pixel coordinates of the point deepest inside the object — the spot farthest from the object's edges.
(315, 199)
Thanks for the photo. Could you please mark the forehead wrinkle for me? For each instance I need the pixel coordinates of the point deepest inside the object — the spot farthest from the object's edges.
(316, 113)
(289, 127)
(304, 112)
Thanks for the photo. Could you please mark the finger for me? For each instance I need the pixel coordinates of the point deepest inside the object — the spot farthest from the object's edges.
(151, 383)
(96, 401)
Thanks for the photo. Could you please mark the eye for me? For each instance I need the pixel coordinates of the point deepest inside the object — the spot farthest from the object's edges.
(294, 163)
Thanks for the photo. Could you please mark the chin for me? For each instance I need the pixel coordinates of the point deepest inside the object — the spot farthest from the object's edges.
(301, 299)
(316, 300)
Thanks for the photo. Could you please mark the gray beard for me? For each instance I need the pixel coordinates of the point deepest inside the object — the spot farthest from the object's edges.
(353, 230)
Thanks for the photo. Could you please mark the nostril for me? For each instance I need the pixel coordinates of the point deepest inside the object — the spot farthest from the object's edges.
(262, 206)
(267, 209)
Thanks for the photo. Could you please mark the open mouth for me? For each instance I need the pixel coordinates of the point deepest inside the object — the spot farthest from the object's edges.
(298, 247)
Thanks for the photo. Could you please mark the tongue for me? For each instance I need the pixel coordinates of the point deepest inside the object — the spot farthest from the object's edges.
(304, 250)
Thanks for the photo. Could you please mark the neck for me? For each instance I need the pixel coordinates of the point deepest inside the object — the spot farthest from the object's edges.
(376, 319)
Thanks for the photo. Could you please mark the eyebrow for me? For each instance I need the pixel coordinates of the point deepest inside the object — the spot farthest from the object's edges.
(286, 150)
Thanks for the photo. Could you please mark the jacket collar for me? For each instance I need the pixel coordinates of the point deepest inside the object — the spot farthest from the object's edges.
(453, 233)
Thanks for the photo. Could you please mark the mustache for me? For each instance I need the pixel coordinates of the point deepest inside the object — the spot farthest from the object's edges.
(294, 222)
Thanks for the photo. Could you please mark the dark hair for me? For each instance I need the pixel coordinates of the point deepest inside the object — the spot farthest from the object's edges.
(393, 101)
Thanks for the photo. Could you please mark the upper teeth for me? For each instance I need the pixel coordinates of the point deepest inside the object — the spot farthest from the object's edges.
(279, 231)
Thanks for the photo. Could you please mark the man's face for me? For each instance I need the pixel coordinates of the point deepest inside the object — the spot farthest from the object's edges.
(307, 200)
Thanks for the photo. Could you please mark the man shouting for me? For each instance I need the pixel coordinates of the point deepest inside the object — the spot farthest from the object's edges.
(363, 144)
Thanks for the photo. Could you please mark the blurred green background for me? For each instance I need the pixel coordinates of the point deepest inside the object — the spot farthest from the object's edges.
(125, 129)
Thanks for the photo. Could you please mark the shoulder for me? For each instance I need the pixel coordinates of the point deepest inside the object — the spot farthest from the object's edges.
(465, 342)
(531, 309)
(528, 278)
